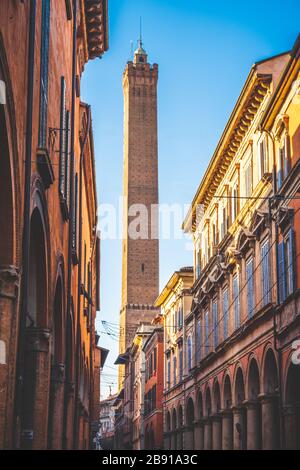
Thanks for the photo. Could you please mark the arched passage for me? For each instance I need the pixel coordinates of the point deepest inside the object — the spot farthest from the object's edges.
(270, 403)
(190, 417)
(180, 429)
(36, 370)
(240, 414)
(254, 422)
(57, 370)
(292, 407)
(174, 430)
(227, 420)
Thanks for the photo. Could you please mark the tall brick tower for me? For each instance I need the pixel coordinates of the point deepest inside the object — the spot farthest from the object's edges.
(140, 265)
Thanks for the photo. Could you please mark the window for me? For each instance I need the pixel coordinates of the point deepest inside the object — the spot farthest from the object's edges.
(64, 143)
(206, 319)
(168, 373)
(198, 263)
(189, 352)
(283, 161)
(286, 266)
(225, 312)
(236, 302)
(235, 202)
(198, 340)
(263, 166)
(45, 34)
(180, 317)
(214, 234)
(265, 273)
(180, 364)
(215, 323)
(174, 370)
(155, 359)
(75, 220)
(248, 180)
(250, 286)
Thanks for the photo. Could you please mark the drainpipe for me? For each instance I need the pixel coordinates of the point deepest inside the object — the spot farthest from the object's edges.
(76, 427)
(69, 285)
(26, 230)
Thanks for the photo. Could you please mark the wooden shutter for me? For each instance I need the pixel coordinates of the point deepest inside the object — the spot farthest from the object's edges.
(281, 272)
(236, 301)
(62, 140)
(291, 267)
(250, 287)
(225, 313)
(215, 323)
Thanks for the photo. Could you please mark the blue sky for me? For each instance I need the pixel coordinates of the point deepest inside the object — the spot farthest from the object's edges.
(204, 51)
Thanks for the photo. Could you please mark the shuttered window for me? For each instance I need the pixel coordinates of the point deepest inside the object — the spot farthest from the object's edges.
(286, 266)
(289, 261)
(215, 323)
(248, 180)
(180, 364)
(225, 312)
(265, 273)
(189, 352)
(236, 301)
(198, 341)
(168, 374)
(75, 218)
(250, 286)
(45, 36)
(174, 370)
(206, 320)
(64, 151)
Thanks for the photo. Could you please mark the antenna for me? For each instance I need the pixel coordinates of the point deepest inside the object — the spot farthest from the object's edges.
(141, 40)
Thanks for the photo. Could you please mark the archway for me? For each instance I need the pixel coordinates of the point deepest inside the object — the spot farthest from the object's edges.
(190, 417)
(240, 413)
(57, 370)
(254, 433)
(270, 403)
(174, 430)
(180, 429)
(227, 420)
(292, 407)
(36, 339)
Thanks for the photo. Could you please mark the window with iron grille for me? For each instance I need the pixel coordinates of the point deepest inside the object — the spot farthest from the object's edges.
(45, 42)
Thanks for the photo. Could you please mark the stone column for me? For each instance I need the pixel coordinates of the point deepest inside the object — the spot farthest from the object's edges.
(216, 432)
(179, 439)
(174, 440)
(227, 430)
(289, 418)
(56, 406)
(253, 431)
(189, 438)
(9, 291)
(199, 435)
(269, 417)
(238, 428)
(207, 434)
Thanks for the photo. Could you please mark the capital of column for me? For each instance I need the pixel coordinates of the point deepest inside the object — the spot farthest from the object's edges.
(9, 282)
(216, 417)
(226, 413)
(250, 404)
(237, 410)
(267, 398)
(37, 339)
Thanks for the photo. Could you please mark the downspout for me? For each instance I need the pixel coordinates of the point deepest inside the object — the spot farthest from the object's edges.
(26, 229)
(76, 427)
(69, 285)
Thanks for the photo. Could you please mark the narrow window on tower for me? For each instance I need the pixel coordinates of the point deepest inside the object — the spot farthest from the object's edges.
(45, 34)
(143, 268)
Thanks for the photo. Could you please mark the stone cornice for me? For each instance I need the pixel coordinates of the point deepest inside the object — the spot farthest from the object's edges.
(241, 118)
(96, 27)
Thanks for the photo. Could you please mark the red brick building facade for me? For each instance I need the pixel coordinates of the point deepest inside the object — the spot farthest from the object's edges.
(49, 248)
(154, 385)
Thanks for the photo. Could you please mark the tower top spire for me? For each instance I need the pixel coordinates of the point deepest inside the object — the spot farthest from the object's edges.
(140, 55)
